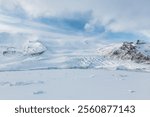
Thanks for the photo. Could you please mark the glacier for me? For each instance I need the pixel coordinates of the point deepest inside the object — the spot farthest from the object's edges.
(28, 52)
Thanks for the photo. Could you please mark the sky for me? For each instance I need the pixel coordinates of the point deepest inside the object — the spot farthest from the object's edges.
(121, 19)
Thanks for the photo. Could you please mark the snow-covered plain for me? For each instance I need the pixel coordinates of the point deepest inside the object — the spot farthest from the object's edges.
(74, 84)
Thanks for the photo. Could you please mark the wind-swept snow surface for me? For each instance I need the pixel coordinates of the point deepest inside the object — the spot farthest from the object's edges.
(74, 84)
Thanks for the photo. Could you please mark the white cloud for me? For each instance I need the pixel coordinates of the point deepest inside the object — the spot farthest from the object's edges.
(115, 15)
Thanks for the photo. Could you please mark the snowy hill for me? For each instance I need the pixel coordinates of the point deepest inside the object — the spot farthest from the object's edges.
(138, 52)
(27, 52)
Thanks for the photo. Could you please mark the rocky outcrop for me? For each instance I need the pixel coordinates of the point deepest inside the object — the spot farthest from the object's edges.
(34, 48)
(10, 51)
(130, 51)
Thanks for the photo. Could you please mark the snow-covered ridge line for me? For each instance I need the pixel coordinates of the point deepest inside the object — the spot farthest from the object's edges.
(38, 54)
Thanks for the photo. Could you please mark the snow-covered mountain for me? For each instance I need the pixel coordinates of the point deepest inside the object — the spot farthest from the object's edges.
(130, 55)
(22, 52)
(138, 52)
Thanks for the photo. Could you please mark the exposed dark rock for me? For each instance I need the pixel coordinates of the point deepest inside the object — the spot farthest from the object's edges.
(129, 51)
(140, 42)
(37, 53)
(9, 51)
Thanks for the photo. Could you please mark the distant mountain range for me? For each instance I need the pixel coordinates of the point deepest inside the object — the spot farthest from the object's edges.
(47, 53)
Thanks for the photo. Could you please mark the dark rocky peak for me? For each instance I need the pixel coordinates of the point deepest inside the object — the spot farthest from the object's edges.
(130, 51)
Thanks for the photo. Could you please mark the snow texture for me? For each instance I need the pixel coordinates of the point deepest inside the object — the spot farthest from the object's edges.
(74, 84)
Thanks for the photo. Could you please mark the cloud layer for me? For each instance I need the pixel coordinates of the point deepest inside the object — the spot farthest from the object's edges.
(128, 16)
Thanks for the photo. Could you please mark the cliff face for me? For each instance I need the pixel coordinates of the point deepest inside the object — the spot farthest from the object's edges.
(138, 52)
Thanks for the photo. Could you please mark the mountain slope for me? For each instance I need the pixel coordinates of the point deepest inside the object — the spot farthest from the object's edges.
(28, 53)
